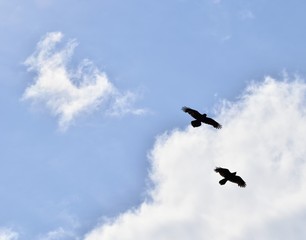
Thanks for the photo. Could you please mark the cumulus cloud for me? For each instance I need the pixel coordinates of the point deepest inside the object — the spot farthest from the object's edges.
(69, 92)
(8, 234)
(263, 139)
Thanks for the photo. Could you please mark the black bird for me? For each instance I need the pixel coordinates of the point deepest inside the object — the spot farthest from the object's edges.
(200, 118)
(228, 176)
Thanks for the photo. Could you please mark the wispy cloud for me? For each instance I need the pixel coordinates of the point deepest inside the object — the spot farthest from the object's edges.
(69, 92)
(8, 234)
(58, 234)
(216, 1)
(226, 38)
(247, 14)
(123, 105)
(263, 139)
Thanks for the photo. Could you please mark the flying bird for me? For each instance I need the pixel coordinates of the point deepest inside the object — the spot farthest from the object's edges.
(200, 118)
(228, 176)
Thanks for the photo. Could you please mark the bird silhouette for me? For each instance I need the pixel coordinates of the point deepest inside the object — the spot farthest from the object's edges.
(229, 176)
(200, 118)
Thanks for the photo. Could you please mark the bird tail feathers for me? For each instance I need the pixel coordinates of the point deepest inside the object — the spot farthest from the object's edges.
(223, 181)
(196, 123)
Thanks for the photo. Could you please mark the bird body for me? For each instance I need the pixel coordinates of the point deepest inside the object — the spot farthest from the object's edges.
(229, 176)
(200, 118)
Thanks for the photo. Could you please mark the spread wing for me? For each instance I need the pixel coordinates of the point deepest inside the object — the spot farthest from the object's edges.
(194, 113)
(239, 181)
(224, 172)
(212, 122)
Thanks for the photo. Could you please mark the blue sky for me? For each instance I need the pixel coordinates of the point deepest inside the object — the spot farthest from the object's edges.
(91, 93)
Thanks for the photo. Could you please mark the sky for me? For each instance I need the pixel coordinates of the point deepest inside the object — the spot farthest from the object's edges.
(94, 144)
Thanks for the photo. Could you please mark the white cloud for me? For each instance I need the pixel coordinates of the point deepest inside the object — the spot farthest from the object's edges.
(66, 92)
(123, 105)
(59, 234)
(263, 139)
(8, 234)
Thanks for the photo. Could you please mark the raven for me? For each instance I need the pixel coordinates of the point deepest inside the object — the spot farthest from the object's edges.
(200, 118)
(228, 176)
